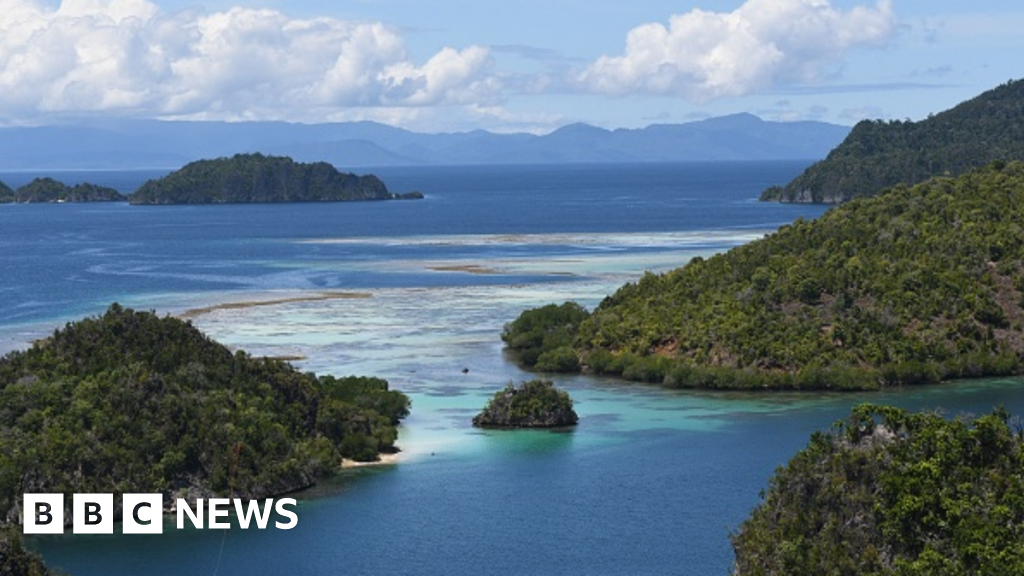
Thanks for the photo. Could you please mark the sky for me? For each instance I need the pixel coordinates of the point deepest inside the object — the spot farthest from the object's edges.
(500, 65)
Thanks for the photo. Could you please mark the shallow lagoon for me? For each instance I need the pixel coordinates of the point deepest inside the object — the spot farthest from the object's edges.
(652, 481)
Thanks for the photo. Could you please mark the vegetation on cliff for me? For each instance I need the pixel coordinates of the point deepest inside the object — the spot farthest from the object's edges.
(918, 285)
(41, 190)
(534, 404)
(890, 492)
(877, 154)
(15, 559)
(257, 178)
(131, 402)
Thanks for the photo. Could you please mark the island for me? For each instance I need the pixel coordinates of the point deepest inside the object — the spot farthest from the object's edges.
(48, 190)
(879, 154)
(133, 402)
(918, 285)
(255, 178)
(893, 492)
(533, 404)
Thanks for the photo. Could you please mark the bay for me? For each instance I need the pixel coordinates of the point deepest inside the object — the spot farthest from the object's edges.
(652, 481)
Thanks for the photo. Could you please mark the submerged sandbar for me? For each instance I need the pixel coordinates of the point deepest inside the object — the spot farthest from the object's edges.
(195, 312)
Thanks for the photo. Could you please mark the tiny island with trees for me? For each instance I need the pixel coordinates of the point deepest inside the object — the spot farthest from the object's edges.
(48, 190)
(532, 404)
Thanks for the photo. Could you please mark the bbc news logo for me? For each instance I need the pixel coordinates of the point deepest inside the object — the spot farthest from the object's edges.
(143, 513)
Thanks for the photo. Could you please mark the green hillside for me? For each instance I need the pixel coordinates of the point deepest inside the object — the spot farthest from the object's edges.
(918, 285)
(245, 178)
(890, 492)
(131, 402)
(878, 154)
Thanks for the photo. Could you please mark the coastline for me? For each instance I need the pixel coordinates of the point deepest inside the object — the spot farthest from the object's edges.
(384, 460)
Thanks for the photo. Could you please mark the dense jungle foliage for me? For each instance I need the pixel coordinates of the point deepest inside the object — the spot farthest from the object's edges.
(50, 190)
(131, 402)
(877, 154)
(544, 338)
(258, 178)
(890, 492)
(918, 285)
(15, 559)
(533, 404)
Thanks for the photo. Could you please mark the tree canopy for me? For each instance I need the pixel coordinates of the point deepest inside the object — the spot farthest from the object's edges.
(258, 178)
(891, 492)
(41, 190)
(878, 154)
(132, 402)
(920, 284)
(533, 404)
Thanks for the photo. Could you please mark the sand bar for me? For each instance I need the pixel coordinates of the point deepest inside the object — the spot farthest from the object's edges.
(194, 312)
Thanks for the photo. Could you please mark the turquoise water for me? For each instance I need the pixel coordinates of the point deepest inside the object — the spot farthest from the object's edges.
(652, 481)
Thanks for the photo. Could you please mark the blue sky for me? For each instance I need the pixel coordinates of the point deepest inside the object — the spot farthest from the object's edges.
(502, 65)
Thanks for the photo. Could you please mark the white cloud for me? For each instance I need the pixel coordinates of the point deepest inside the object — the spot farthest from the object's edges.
(129, 57)
(705, 55)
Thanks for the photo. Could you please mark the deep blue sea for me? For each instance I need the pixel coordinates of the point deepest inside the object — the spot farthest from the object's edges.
(650, 482)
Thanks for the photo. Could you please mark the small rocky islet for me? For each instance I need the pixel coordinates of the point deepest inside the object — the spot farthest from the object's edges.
(533, 404)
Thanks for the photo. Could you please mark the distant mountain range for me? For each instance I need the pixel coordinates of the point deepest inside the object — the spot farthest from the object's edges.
(123, 144)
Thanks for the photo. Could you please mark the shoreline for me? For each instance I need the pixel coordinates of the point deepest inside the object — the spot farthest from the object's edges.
(385, 460)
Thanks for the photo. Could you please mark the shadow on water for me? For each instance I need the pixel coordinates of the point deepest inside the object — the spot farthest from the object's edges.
(527, 442)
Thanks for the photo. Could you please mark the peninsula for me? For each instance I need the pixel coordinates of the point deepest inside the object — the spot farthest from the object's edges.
(255, 178)
(132, 402)
(918, 285)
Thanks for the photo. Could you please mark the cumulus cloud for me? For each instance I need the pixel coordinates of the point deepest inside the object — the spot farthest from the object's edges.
(129, 57)
(705, 55)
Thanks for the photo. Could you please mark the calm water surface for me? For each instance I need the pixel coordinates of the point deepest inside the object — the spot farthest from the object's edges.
(650, 482)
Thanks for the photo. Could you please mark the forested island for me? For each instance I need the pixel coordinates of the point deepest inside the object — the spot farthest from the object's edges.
(249, 178)
(48, 190)
(132, 402)
(878, 154)
(891, 492)
(533, 404)
(918, 285)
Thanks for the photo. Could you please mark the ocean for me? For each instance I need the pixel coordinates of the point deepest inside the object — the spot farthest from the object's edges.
(651, 481)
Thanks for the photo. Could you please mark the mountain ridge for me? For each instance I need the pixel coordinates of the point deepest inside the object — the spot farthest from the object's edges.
(878, 154)
(128, 144)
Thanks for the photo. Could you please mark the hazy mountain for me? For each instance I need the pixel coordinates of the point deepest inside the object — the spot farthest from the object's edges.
(158, 144)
